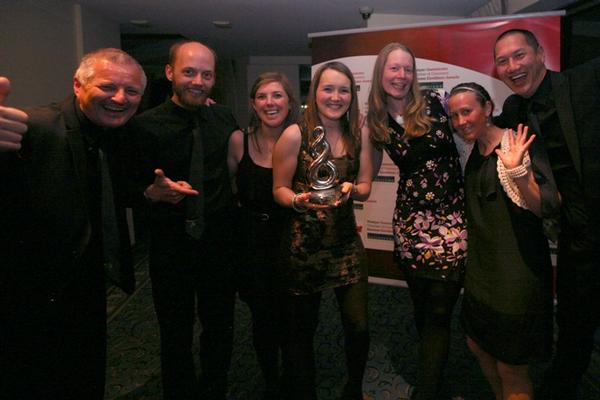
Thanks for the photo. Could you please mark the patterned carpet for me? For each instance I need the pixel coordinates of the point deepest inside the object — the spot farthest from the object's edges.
(134, 365)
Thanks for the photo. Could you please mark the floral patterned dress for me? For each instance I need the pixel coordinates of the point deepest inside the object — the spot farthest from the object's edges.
(429, 226)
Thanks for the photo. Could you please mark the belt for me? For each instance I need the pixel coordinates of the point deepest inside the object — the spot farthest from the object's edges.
(263, 217)
(258, 216)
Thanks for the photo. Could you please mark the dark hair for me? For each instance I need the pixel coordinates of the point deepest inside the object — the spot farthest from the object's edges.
(481, 94)
(269, 77)
(350, 124)
(175, 48)
(528, 35)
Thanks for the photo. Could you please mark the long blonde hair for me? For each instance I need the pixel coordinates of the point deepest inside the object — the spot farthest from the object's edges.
(416, 122)
(350, 123)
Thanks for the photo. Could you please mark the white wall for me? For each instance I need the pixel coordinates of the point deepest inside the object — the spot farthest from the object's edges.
(98, 31)
(42, 41)
(494, 7)
(379, 20)
(286, 65)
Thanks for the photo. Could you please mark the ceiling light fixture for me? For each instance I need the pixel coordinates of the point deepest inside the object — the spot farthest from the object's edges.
(222, 24)
(142, 23)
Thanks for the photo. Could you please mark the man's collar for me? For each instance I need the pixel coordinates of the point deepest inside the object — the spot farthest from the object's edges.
(94, 135)
(543, 95)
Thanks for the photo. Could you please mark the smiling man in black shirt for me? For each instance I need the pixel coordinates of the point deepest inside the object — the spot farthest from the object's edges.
(187, 182)
(563, 110)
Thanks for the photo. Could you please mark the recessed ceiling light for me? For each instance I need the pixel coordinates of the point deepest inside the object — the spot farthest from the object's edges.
(222, 24)
(140, 22)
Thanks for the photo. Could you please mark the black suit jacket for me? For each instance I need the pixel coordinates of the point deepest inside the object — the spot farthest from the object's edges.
(45, 222)
(576, 94)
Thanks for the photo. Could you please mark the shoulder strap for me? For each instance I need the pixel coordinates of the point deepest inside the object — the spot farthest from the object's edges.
(246, 140)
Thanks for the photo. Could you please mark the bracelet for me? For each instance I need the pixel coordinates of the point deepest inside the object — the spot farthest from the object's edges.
(296, 206)
(354, 190)
(517, 172)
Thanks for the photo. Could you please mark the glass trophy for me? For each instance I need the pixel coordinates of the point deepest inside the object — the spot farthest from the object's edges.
(322, 172)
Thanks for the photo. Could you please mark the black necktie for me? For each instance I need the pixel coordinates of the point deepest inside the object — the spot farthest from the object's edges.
(110, 229)
(545, 179)
(194, 223)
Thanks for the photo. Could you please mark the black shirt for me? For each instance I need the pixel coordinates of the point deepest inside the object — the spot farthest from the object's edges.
(165, 134)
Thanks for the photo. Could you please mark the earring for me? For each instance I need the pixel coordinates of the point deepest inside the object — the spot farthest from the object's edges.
(488, 123)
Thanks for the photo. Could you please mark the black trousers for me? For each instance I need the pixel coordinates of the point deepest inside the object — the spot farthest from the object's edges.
(53, 347)
(193, 278)
(577, 317)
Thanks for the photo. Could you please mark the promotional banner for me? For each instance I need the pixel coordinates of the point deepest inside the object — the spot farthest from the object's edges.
(447, 53)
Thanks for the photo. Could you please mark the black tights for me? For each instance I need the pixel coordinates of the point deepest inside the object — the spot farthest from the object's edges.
(433, 302)
(304, 315)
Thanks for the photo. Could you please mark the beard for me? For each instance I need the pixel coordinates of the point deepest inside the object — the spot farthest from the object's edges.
(187, 99)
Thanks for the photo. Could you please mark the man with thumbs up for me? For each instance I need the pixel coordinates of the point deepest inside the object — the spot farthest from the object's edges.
(13, 122)
(61, 211)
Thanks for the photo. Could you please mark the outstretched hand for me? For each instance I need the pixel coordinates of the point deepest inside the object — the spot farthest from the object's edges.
(518, 146)
(168, 191)
(13, 122)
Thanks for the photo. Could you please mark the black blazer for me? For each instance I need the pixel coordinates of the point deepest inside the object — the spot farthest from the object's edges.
(45, 229)
(576, 94)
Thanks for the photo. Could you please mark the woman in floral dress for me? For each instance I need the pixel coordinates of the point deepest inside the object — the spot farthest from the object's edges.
(428, 223)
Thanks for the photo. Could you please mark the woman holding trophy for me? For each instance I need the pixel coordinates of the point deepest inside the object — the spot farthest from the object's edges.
(428, 224)
(320, 166)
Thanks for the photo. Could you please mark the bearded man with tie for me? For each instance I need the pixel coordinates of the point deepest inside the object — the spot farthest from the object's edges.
(186, 181)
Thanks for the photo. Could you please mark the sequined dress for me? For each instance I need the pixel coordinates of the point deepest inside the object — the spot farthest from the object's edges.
(322, 249)
(429, 226)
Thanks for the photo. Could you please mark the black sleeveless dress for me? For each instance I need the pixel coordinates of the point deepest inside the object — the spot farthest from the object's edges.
(260, 227)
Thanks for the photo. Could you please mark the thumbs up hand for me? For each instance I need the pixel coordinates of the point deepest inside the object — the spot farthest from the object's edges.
(13, 122)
